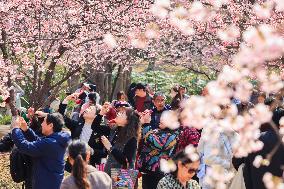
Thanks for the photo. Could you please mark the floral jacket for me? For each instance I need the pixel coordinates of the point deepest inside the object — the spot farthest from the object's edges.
(157, 144)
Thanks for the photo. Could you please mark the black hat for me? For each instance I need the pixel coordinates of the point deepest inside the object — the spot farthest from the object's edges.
(93, 87)
(92, 96)
(182, 87)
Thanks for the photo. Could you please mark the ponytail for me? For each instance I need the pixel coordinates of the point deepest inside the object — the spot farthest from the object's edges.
(79, 172)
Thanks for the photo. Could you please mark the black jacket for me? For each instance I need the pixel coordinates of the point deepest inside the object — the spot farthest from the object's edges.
(253, 176)
(95, 140)
(127, 155)
(6, 145)
(6, 142)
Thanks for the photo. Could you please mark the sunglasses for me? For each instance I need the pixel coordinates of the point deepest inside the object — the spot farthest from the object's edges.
(191, 171)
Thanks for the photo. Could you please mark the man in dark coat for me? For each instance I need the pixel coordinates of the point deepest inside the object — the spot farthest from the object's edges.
(159, 107)
(97, 130)
(6, 145)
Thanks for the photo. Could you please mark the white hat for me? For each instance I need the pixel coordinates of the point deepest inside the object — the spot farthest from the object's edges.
(87, 85)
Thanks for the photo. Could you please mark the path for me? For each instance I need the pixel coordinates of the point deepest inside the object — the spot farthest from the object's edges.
(4, 129)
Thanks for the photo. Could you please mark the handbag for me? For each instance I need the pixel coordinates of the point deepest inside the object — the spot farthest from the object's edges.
(100, 167)
(124, 178)
(238, 181)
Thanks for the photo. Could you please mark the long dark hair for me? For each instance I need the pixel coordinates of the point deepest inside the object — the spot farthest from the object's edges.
(131, 129)
(77, 150)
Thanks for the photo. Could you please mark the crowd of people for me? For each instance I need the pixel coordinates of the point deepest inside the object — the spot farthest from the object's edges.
(131, 133)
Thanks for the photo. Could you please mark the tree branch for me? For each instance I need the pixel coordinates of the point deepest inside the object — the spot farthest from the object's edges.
(69, 74)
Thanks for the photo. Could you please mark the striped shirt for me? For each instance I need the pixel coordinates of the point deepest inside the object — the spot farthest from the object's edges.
(86, 133)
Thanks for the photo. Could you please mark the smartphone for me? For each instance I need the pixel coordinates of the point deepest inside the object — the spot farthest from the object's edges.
(147, 112)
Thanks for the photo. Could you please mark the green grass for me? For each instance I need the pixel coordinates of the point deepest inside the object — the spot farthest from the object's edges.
(5, 120)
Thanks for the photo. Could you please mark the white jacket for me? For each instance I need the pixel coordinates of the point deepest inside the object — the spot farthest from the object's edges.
(217, 152)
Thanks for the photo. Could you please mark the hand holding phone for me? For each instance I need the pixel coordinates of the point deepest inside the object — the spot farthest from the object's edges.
(145, 118)
(31, 112)
(40, 113)
(23, 124)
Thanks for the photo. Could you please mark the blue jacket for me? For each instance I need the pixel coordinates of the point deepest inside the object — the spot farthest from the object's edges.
(47, 154)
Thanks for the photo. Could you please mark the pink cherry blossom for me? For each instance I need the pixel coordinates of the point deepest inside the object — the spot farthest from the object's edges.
(110, 40)
(263, 11)
(267, 179)
(167, 166)
(257, 161)
(218, 3)
(170, 119)
(230, 34)
(197, 11)
(281, 122)
(279, 5)
(261, 113)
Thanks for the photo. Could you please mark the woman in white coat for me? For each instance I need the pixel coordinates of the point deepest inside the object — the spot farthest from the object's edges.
(216, 153)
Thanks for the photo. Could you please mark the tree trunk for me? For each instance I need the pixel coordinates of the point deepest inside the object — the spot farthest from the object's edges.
(151, 64)
(118, 84)
(98, 77)
(5, 55)
(108, 82)
(12, 98)
(44, 88)
(127, 79)
(73, 83)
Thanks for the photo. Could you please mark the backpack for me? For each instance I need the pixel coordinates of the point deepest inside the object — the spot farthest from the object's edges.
(19, 165)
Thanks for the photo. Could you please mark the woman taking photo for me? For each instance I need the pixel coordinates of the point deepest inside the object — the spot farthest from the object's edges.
(122, 144)
(181, 178)
(88, 128)
(84, 176)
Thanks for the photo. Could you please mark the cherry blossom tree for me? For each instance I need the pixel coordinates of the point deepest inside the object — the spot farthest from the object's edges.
(203, 35)
(39, 37)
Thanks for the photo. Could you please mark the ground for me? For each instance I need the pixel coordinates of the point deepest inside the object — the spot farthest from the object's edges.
(6, 181)
(5, 177)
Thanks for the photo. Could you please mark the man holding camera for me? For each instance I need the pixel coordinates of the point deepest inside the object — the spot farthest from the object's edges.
(47, 152)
